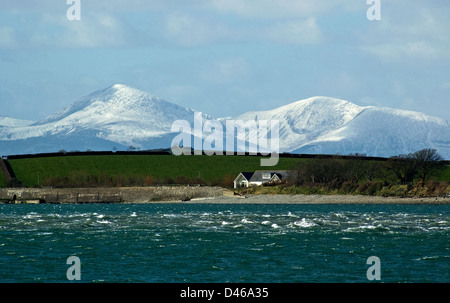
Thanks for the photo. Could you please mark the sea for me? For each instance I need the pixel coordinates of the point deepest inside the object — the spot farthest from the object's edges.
(224, 243)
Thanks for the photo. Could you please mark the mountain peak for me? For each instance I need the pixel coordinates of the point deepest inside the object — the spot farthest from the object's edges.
(329, 125)
(118, 113)
(125, 89)
(305, 118)
(124, 116)
(103, 101)
(119, 92)
(320, 101)
(119, 86)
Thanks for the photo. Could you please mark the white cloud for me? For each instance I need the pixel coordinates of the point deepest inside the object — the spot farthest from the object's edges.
(271, 9)
(52, 6)
(409, 31)
(184, 23)
(100, 30)
(294, 32)
(245, 8)
(445, 86)
(185, 30)
(92, 31)
(7, 37)
(226, 70)
(47, 26)
(178, 93)
(407, 50)
(421, 48)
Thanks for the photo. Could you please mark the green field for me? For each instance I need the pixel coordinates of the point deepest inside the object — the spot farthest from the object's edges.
(443, 174)
(126, 168)
(146, 170)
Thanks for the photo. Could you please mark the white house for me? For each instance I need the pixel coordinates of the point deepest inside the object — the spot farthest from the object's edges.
(243, 179)
(259, 177)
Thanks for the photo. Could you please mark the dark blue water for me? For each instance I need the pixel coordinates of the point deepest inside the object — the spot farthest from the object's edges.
(224, 243)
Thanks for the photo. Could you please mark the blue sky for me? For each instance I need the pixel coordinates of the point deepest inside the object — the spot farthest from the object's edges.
(226, 57)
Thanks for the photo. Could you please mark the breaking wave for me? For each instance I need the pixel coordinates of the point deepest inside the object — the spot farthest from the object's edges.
(226, 243)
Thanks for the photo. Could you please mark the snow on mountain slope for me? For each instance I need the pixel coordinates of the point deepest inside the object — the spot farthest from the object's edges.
(322, 125)
(306, 120)
(118, 114)
(116, 105)
(11, 122)
(379, 131)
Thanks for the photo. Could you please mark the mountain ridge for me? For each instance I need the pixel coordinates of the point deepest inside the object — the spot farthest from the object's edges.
(121, 116)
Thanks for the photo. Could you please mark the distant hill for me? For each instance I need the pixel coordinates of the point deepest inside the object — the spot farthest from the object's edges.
(322, 125)
(11, 122)
(120, 116)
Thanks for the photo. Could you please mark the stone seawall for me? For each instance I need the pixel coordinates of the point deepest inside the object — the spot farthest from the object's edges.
(110, 195)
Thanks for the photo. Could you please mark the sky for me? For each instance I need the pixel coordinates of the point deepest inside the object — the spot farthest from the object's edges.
(225, 57)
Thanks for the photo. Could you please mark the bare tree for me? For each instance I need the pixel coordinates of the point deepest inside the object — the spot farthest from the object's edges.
(402, 167)
(427, 162)
(420, 164)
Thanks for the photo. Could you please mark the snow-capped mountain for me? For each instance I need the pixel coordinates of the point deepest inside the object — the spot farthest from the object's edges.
(121, 116)
(305, 120)
(11, 122)
(119, 112)
(322, 125)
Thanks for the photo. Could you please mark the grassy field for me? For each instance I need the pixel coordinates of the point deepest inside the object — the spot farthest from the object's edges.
(216, 169)
(143, 170)
(443, 174)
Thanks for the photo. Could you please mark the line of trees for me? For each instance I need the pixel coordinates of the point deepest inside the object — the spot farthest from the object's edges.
(421, 164)
(337, 173)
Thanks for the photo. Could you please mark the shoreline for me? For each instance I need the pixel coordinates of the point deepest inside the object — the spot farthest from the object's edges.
(190, 194)
(318, 199)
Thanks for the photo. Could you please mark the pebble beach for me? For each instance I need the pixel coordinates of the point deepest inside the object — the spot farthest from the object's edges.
(321, 199)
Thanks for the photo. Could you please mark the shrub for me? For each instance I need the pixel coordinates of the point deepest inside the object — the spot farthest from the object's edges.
(399, 190)
(227, 181)
(13, 183)
(348, 188)
(436, 189)
(148, 180)
(370, 188)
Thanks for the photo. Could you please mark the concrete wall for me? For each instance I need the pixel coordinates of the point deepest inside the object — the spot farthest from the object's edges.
(111, 195)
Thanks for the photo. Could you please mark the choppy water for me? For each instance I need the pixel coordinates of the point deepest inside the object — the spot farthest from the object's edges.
(224, 243)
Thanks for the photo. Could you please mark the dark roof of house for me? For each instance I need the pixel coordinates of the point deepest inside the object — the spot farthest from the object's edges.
(247, 175)
(258, 175)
